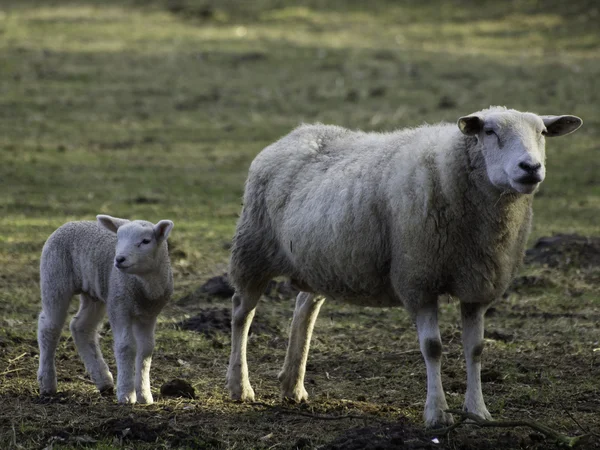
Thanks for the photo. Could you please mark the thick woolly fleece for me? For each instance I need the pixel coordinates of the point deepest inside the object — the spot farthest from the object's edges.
(390, 219)
(79, 258)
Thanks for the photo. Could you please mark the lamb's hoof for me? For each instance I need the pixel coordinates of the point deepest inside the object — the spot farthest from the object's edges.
(145, 399)
(438, 419)
(48, 393)
(48, 386)
(128, 399)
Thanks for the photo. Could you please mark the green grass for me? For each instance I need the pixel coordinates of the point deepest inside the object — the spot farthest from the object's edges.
(155, 110)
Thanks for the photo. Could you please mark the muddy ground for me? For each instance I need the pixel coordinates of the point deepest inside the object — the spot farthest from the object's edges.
(155, 109)
(365, 374)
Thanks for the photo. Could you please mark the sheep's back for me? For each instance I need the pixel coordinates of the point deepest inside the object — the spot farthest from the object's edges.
(79, 256)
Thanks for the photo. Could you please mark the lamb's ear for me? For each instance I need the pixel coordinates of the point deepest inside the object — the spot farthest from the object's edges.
(561, 125)
(110, 223)
(470, 125)
(162, 230)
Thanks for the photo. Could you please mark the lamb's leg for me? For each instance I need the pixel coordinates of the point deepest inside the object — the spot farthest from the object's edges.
(294, 367)
(431, 348)
(238, 382)
(143, 331)
(84, 328)
(472, 322)
(124, 345)
(55, 304)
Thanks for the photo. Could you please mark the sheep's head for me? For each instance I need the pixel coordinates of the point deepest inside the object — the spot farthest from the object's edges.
(513, 144)
(139, 243)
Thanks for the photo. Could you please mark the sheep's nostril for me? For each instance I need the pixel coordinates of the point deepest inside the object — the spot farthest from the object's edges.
(120, 259)
(530, 168)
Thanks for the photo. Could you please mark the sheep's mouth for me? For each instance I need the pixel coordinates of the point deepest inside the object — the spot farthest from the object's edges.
(527, 186)
(530, 179)
(122, 267)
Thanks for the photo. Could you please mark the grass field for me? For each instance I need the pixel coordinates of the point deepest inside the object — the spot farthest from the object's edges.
(155, 110)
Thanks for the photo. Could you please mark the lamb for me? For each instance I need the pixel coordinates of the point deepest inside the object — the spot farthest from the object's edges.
(394, 219)
(113, 264)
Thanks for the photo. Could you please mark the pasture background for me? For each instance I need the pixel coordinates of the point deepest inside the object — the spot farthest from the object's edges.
(155, 110)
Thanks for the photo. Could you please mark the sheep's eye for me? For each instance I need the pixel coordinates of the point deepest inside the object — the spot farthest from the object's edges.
(544, 132)
(490, 132)
(146, 241)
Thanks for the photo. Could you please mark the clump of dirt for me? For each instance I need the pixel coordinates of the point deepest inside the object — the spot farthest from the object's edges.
(398, 436)
(178, 388)
(218, 320)
(220, 287)
(527, 282)
(130, 430)
(565, 250)
(281, 290)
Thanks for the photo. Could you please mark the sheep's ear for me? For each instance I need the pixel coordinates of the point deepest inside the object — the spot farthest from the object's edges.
(110, 223)
(162, 230)
(561, 125)
(470, 125)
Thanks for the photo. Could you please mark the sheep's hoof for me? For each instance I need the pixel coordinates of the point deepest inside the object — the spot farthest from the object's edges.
(438, 419)
(295, 395)
(242, 393)
(480, 411)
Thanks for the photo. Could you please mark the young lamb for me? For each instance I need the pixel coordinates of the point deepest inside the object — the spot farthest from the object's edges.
(385, 220)
(114, 264)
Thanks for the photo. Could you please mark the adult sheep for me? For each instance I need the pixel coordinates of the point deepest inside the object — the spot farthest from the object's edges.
(387, 220)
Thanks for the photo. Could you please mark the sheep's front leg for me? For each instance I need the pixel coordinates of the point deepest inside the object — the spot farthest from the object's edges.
(238, 381)
(124, 345)
(294, 367)
(143, 330)
(472, 322)
(431, 348)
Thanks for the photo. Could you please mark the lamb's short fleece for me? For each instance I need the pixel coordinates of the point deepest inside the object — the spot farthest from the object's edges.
(113, 264)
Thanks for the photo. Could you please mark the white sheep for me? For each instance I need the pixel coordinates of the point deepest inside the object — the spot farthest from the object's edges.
(117, 265)
(385, 220)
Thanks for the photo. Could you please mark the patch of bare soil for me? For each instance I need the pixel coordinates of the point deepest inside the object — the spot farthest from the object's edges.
(398, 436)
(565, 250)
(127, 431)
(218, 320)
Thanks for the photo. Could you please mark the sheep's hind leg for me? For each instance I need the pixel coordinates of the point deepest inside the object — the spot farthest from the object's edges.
(143, 331)
(84, 327)
(294, 367)
(472, 321)
(55, 304)
(431, 348)
(238, 382)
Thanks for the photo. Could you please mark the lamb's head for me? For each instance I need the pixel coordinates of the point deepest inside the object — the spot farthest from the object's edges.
(141, 245)
(513, 144)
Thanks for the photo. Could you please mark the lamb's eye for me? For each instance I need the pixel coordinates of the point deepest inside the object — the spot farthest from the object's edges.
(544, 132)
(146, 241)
(490, 132)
